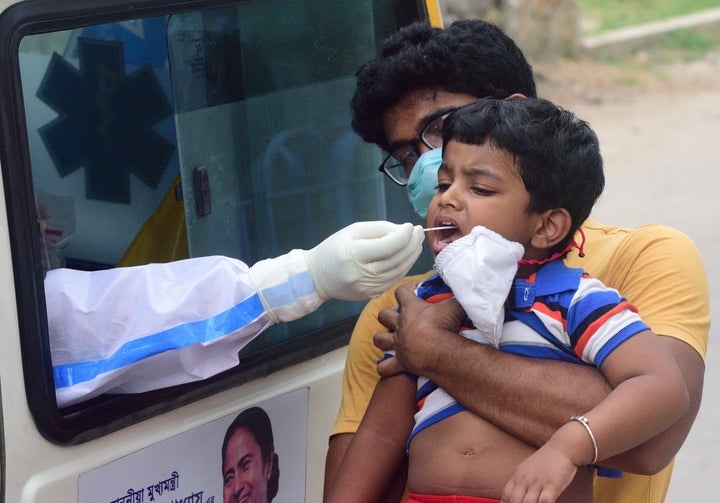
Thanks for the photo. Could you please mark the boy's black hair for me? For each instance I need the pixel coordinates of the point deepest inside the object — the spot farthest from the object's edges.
(557, 154)
(469, 56)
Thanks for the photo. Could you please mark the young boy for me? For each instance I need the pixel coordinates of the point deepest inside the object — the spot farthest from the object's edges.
(516, 171)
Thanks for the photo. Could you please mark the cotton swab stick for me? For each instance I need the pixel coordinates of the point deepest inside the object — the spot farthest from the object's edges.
(442, 227)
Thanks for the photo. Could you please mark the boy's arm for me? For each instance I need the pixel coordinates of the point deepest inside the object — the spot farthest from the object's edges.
(649, 395)
(655, 454)
(511, 391)
(376, 453)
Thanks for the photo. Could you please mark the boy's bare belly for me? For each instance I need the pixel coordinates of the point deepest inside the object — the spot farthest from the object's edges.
(464, 454)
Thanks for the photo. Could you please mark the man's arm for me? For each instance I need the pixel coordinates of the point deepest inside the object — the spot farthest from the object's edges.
(513, 392)
(375, 454)
(337, 448)
(359, 379)
(507, 390)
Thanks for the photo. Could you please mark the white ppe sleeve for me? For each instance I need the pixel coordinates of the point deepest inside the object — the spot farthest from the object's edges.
(285, 286)
(480, 269)
(135, 329)
(359, 261)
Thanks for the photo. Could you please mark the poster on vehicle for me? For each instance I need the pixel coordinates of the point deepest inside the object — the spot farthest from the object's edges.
(253, 455)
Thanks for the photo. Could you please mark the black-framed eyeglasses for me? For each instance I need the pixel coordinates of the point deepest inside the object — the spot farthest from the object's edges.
(398, 164)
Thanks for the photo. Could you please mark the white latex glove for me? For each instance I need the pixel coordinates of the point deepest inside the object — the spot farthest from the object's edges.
(364, 259)
(480, 269)
(357, 262)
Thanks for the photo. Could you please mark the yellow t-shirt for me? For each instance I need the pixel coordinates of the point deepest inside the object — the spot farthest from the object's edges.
(657, 268)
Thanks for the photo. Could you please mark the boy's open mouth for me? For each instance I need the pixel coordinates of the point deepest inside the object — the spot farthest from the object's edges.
(444, 237)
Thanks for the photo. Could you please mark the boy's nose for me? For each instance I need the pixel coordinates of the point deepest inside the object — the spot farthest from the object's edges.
(449, 196)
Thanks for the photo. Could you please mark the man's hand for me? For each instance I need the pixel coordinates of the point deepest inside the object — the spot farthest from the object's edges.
(416, 330)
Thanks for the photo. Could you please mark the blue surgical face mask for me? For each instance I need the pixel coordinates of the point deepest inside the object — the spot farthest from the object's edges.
(422, 184)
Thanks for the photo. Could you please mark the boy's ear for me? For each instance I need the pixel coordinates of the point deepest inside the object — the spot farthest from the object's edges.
(552, 227)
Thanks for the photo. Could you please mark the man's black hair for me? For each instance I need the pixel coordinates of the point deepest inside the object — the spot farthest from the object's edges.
(557, 154)
(470, 56)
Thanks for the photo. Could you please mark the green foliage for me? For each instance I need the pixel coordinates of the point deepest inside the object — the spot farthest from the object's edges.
(680, 45)
(602, 15)
(689, 44)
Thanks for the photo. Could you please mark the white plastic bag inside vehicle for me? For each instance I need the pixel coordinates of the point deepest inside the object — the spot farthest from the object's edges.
(56, 217)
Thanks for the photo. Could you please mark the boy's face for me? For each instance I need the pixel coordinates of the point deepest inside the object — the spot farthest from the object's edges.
(479, 185)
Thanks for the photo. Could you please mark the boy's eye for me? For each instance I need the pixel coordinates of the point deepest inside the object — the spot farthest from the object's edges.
(483, 191)
(442, 187)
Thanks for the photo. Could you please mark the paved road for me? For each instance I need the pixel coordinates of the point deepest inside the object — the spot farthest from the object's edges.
(662, 154)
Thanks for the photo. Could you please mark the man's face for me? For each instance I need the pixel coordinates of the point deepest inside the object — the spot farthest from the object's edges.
(245, 476)
(404, 121)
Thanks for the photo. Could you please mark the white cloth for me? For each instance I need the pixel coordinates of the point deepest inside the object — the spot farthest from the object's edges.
(480, 268)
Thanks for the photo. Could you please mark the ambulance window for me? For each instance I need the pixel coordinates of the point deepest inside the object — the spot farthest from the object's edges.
(118, 118)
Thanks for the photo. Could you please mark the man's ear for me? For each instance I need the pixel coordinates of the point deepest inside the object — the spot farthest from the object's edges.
(552, 227)
(270, 464)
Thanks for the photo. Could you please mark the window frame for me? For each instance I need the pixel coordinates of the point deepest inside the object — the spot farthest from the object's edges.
(105, 414)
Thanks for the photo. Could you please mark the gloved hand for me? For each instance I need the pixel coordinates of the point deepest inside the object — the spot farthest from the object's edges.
(363, 259)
